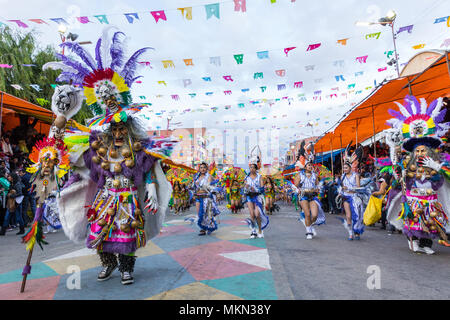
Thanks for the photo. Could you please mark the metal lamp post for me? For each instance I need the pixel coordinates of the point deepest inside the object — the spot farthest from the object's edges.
(388, 20)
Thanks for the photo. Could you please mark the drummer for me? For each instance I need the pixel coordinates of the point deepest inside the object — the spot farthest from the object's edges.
(308, 183)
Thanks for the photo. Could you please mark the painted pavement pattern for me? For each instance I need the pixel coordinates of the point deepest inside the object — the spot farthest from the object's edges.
(176, 265)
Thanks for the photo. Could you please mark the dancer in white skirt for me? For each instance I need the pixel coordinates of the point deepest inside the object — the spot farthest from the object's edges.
(308, 183)
(253, 190)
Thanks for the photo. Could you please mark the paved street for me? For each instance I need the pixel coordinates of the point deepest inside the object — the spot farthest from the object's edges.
(178, 264)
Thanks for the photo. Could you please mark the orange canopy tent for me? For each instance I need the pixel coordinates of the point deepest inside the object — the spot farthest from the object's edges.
(12, 106)
(369, 116)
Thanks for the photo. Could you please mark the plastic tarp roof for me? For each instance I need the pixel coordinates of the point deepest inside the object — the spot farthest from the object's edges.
(370, 115)
(22, 106)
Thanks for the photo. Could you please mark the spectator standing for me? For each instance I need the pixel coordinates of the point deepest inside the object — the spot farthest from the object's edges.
(29, 197)
(13, 206)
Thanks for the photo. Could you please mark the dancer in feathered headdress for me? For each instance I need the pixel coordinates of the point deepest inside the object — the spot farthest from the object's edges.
(352, 194)
(116, 164)
(233, 179)
(305, 155)
(205, 199)
(179, 178)
(307, 186)
(50, 162)
(272, 179)
(253, 189)
(425, 194)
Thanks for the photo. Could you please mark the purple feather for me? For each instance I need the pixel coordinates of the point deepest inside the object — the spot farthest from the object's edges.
(397, 114)
(407, 105)
(431, 107)
(416, 103)
(81, 52)
(116, 51)
(74, 64)
(441, 116)
(134, 79)
(130, 66)
(98, 56)
(68, 76)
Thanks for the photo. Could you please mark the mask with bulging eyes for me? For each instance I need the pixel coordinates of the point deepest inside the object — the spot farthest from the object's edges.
(57, 133)
(65, 97)
(108, 183)
(126, 183)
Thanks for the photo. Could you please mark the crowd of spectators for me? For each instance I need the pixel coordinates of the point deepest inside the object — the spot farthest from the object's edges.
(17, 202)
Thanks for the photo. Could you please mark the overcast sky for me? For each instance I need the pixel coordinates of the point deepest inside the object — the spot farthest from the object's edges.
(264, 26)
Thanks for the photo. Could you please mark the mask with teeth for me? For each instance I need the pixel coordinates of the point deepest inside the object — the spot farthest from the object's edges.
(66, 101)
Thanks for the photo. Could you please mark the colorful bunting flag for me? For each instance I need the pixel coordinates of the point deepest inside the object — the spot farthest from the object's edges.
(258, 75)
(60, 21)
(263, 54)
(313, 46)
(239, 58)
(215, 61)
(362, 59)
(407, 28)
(188, 62)
(286, 50)
(188, 11)
(38, 21)
(240, 5)
(159, 15)
(17, 86)
(373, 35)
(131, 16)
(102, 19)
(212, 10)
(83, 20)
(168, 64)
(19, 23)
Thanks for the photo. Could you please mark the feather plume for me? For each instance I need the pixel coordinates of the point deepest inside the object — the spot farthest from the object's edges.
(413, 101)
(98, 56)
(134, 79)
(74, 64)
(394, 123)
(423, 106)
(80, 52)
(432, 107)
(437, 109)
(76, 78)
(130, 66)
(441, 116)
(116, 51)
(56, 65)
(406, 112)
(396, 114)
(106, 45)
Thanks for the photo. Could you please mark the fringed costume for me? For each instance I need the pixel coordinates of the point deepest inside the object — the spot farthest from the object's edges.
(205, 196)
(307, 182)
(422, 205)
(253, 190)
(233, 179)
(355, 195)
(117, 190)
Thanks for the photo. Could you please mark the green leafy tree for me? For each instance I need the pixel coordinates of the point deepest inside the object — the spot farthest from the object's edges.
(18, 49)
